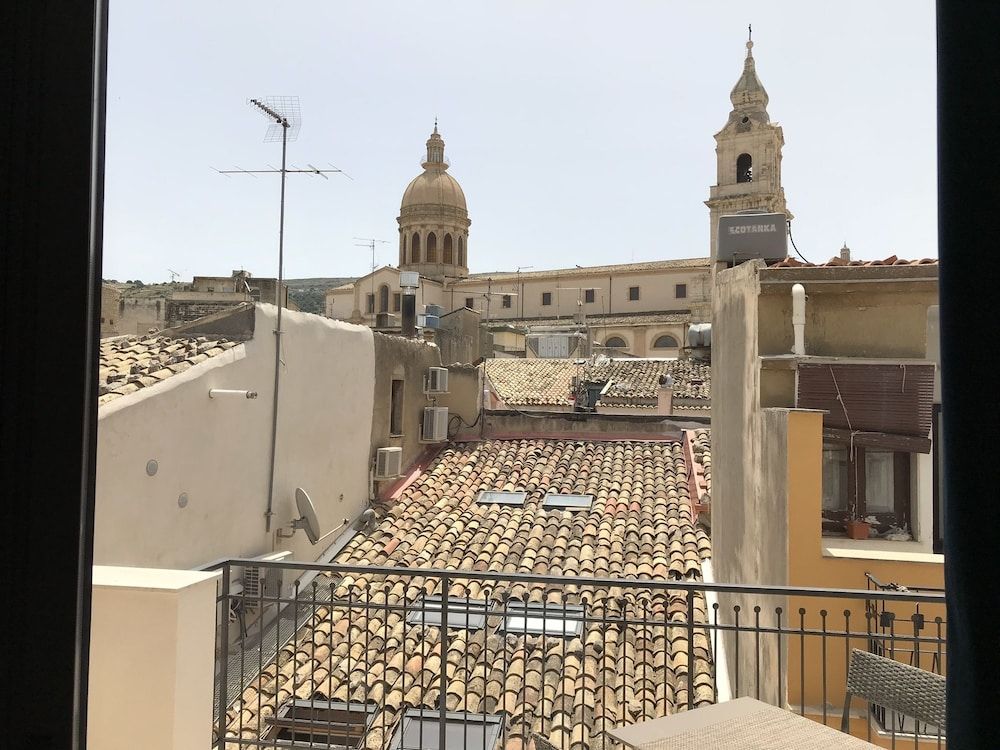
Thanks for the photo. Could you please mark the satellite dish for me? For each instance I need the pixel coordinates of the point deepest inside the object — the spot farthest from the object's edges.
(308, 521)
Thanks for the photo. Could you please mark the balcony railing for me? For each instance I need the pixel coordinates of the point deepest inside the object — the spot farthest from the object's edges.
(357, 656)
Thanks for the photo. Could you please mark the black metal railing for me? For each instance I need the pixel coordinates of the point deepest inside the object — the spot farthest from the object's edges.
(357, 656)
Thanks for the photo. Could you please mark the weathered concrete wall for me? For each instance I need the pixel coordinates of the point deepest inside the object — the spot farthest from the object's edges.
(846, 321)
(217, 451)
(463, 398)
(458, 337)
(136, 315)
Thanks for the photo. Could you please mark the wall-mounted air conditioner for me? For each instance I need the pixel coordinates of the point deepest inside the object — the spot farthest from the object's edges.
(258, 582)
(436, 380)
(388, 463)
(435, 425)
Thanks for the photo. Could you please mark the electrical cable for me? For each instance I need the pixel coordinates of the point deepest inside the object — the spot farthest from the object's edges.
(793, 242)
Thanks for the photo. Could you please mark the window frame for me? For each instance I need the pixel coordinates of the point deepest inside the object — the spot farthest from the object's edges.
(397, 403)
(529, 611)
(397, 301)
(370, 304)
(633, 294)
(680, 291)
(281, 722)
(426, 612)
(589, 296)
(608, 345)
(474, 724)
(546, 299)
(505, 301)
(856, 492)
(470, 302)
(516, 498)
(565, 501)
(675, 345)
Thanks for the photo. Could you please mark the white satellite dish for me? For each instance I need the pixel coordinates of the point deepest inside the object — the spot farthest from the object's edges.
(308, 520)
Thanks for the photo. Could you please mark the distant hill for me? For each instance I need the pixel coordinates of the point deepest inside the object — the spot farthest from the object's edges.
(310, 294)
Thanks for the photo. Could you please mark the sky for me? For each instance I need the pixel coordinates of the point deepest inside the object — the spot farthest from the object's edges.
(581, 132)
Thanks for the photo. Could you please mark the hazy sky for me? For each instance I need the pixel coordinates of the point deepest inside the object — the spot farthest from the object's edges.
(581, 132)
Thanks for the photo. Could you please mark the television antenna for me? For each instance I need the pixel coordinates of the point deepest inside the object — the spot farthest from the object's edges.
(285, 118)
(173, 275)
(370, 242)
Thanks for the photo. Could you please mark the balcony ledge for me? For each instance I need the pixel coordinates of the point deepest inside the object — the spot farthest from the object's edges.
(880, 549)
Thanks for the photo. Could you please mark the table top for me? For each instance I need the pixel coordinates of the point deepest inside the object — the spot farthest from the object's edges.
(741, 724)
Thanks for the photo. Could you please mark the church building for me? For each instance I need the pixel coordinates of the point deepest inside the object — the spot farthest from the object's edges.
(631, 309)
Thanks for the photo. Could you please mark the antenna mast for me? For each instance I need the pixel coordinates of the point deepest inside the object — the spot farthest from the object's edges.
(370, 242)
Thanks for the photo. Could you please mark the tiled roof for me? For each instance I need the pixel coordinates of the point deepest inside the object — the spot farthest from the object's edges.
(133, 362)
(546, 382)
(892, 260)
(566, 689)
(702, 443)
(675, 264)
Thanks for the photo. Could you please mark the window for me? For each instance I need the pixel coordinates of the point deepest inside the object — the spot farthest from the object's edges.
(319, 722)
(383, 298)
(449, 253)
(396, 408)
(415, 248)
(872, 483)
(554, 501)
(665, 342)
(397, 301)
(419, 730)
(588, 296)
(432, 248)
(681, 291)
(546, 298)
(615, 342)
(538, 619)
(633, 293)
(461, 252)
(371, 303)
(744, 168)
(505, 301)
(470, 302)
(469, 614)
(489, 497)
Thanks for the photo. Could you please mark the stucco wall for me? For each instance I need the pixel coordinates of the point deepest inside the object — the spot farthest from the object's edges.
(217, 451)
(849, 322)
(458, 337)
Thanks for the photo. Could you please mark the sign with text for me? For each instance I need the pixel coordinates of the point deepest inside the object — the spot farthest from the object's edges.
(746, 236)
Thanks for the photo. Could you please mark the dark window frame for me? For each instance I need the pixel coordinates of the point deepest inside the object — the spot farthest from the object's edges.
(397, 301)
(589, 295)
(856, 495)
(482, 729)
(284, 722)
(370, 304)
(633, 294)
(470, 302)
(658, 339)
(397, 401)
(505, 301)
(546, 299)
(680, 291)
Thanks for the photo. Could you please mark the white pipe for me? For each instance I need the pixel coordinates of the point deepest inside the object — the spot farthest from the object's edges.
(799, 319)
(213, 392)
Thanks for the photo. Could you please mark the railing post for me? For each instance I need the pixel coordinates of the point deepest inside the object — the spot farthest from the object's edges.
(443, 697)
(222, 654)
(690, 626)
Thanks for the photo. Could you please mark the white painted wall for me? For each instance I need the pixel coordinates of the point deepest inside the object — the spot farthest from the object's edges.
(217, 451)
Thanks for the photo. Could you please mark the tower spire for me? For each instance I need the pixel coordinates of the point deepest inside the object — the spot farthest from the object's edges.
(435, 151)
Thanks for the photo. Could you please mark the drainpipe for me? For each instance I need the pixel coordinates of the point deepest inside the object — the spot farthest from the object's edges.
(799, 319)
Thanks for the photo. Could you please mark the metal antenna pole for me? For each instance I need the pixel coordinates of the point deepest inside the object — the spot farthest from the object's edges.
(370, 242)
(285, 117)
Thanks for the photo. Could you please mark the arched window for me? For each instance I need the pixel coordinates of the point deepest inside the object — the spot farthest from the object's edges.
(744, 168)
(383, 298)
(616, 342)
(461, 251)
(415, 248)
(448, 255)
(432, 248)
(665, 341)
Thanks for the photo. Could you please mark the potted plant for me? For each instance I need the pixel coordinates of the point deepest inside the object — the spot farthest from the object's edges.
(856, 528)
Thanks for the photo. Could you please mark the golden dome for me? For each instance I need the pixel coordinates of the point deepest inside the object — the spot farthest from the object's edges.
(435, 186)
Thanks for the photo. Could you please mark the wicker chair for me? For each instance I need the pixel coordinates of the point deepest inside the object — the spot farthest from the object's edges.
(899, 687)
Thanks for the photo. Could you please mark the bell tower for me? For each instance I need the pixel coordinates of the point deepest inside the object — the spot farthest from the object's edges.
(748, 155)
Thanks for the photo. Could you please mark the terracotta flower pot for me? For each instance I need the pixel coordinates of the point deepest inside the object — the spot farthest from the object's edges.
(858, 529)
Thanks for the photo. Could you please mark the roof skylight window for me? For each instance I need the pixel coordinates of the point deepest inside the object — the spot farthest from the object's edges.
(496, 497)
(469, 614)
(420, 730)
(563, 621)
(305, 723)
(558, 501)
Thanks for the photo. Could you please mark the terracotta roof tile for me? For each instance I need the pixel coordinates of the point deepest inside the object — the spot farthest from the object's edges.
(568, 689)
(129, 363)
(892, 260)
(634, 382)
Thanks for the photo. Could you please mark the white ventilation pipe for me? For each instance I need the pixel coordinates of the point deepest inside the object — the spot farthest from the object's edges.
(799, 319)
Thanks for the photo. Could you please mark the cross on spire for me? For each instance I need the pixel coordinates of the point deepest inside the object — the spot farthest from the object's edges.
(749, 32)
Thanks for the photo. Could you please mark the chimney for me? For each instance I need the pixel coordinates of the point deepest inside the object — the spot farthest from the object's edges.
(845, 253)
(408, 281)
(799, 319)
(665, 395)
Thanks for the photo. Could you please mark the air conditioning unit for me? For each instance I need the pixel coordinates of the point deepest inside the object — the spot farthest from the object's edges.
(435, 426)
(388, 463)
(436, 380)
(258, 582)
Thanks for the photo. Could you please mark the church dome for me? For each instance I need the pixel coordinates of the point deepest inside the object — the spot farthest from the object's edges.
(434, 187)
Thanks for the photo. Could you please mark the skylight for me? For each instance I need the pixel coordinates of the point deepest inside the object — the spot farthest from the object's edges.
(305, 723)
(558, 501)
(497, 497)
(420, 730)
(469, 614)
(541, 620)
